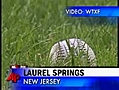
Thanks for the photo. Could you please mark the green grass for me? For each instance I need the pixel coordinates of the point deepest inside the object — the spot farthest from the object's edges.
(31, 27)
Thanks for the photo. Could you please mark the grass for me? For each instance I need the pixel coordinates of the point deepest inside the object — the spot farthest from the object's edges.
(31, 27)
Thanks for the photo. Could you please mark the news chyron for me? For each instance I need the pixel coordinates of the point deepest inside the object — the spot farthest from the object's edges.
(23, 71)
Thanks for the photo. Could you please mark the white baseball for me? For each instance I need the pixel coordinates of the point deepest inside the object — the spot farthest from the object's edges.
(60, 50)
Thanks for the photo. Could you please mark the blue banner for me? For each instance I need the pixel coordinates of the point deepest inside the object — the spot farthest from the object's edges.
(90, 11)
(27, 82)
(67, 83)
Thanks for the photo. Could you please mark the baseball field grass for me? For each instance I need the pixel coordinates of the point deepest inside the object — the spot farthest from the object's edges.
(31, 27)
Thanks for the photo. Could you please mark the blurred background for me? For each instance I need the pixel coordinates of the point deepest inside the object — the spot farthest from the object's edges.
(31, 27)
